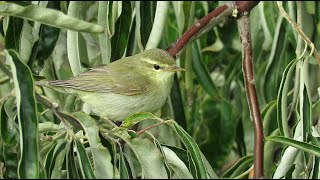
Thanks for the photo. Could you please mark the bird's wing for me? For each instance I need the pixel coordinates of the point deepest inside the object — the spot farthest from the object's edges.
(104, 79)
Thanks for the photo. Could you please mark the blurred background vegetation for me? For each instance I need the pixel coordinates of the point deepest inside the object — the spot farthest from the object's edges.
(208, 100)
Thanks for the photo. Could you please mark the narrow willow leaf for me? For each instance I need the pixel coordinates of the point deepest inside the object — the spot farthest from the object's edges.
(123, 169)
(193, 149)
(270, 79)
(310, 6)
(44, 46)
(307, 113)
(288, 158)
(52, 156)
(147, 12)
(236, 166)
(131, 160)
(138, 25)
(27, 117)
(57, 163)
(305, 102)
(315, 173)
(84, 162)
(72, 172)
(26, 42)
(211, 173)
(136, 118)
(122, 28)
(177, 103)
(202, 73)
(176, 164)
(8, 131)
(52, 17)
(158, 25)
(10, 158)
(310, 148)
(104, 40)
(282, 105)
(266, 114)
(290, 171)
(131, 45)
(13, 33)
(72, 40)
(152, 165)
(101, 155)
(178, 11)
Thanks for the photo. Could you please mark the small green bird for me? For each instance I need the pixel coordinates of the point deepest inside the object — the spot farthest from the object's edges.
(139, 83)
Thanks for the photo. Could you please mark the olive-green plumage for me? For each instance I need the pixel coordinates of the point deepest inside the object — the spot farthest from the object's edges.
(133, 84)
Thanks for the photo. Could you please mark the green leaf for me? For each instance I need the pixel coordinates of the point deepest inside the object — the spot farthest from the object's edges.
(177, 103)
(176, 164)
(84, 162)
(54, 170)
(153, 164)
(310, 6)
(27, 117)
(12, 37)
(238, 167)
(43, 48)
(267, 115)
(101, 155)
(11, 159)
(310, 148)
(282, 107)
(158, 25)
(202, 72)
(270, 80)
(26, 41)
(49, 17)
(122, 28)
(72, 172)
(193, 149)
(136, 118)
(147, 12)
(123, 169)
(104, 39)
(8, 129)
(73, 40)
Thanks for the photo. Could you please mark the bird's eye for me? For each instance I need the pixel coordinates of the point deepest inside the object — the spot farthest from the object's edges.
(156, 67)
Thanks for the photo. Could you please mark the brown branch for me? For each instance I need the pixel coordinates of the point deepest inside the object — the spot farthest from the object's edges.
(245, 38)
(224, 12)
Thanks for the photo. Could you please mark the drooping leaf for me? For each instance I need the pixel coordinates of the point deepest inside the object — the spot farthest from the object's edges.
(27, 117)
(282, 112)
(13, 33)
(122, 28)
(72, 172)
(176, 164)
(310, 148)
(8, 129)
(84, 162)
(101, 155)
(202, 73)
(193, 149)
(152, 165)
(52, 17)
(43, 48)
(238, 167)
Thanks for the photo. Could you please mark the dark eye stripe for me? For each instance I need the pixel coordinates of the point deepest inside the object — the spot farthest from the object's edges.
(156, 67)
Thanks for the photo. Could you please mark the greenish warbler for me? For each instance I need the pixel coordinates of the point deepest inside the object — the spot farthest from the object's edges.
(139, 83)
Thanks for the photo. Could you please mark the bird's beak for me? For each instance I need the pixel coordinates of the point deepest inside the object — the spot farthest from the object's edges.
(175, 69)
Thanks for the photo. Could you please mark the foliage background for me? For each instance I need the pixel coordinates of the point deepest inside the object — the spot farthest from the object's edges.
(208, 100)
